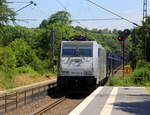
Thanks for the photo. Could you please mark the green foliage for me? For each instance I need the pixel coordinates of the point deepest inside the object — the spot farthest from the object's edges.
(6, 14)
(7, 83)
(28, 50)
(120, 81)
(37, 64)
(23, 52)
(60, 18)
(141, 42)
(25, 69)
(140, 77)
(7, 59)
(8, 74)
(144, 64)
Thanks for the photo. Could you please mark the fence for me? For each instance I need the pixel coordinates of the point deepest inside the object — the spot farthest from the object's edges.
(12, 100)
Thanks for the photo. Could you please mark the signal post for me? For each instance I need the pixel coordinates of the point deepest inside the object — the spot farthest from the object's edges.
(122, 36)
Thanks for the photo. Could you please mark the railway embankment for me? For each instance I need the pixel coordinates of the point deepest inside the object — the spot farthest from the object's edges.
(139, 77)
(26, 87)
(14, 98)
(23, 80)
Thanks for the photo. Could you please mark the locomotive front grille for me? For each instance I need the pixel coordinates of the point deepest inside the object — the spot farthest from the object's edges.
(76, 73)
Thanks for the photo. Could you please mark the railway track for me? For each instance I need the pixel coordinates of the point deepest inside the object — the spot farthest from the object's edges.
(42, 110)
(56, 102)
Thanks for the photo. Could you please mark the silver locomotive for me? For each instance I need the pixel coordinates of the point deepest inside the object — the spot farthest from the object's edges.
(82, 64)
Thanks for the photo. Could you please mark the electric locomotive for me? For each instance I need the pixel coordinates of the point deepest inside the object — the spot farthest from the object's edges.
(82, 63)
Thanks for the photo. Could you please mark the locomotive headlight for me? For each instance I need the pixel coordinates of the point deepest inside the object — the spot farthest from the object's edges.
(63, 60)
(88, 59)
(64, 72)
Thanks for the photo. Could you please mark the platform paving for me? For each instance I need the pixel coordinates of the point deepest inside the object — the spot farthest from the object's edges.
(115, 101)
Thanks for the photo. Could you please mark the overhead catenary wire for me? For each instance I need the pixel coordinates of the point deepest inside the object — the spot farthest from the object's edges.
(31, 2)
(61, 4)
(17, 2)
(112, 12)
(41, 11)
(97, 19)
(24, 20)
(79, 23)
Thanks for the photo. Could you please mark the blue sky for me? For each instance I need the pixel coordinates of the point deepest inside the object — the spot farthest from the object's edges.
(82, 9)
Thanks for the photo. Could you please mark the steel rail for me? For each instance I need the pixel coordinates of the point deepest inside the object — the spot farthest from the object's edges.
(50, 106)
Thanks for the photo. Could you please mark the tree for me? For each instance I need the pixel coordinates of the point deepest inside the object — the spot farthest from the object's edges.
(94, 30)
(141, 41)
(7, 59)
(44, 23)
(60, 18)
(6, 14)
(23, 52)
(115, 31)
(105, 31)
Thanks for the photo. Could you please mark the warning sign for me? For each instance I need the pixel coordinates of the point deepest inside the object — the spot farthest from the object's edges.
(127, 70)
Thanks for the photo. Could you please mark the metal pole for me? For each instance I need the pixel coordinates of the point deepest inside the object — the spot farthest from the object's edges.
(25, 97)
(111, 66)
(123, 43)
(16, 99)
(145, 7)
(39, 92)
(5, 103)
(52, 50)
(144, 10)
(32, 94)
(146, 46)
(133, 55)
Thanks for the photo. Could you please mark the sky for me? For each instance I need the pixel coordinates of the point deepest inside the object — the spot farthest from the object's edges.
(82, 9)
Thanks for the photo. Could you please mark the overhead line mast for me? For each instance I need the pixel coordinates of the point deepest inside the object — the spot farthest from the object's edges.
(144, 10)
(144, 19)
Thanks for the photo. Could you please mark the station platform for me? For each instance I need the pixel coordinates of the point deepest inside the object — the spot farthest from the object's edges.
(115, 101)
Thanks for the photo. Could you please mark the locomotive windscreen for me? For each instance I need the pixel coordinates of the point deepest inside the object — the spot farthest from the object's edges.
(77, 51)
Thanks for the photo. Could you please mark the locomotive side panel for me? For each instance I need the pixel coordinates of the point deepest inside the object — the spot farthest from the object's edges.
(102, 63)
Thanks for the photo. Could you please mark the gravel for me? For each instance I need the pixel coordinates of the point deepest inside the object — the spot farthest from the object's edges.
(62, 109)
(65, 107)
(31, 107)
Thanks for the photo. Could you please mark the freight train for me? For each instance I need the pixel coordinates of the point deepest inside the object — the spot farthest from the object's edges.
(84, 63)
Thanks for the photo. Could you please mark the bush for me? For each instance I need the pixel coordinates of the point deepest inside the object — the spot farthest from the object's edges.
(37, 64)
(25, 69)
(7, 83)
(141, 63)
(120, 81)
(7, 59)
(23, 52)
(140, 77)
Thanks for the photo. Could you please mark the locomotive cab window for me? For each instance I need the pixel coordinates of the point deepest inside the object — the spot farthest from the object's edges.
(77, 51)
(69, 51)
(85, 51)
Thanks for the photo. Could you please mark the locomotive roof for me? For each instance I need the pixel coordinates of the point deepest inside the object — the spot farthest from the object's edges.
(82, 42)
(79, 41)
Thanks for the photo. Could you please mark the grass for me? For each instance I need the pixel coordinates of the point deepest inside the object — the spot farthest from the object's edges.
(6, 84)
(140, 77)
(23, 77)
